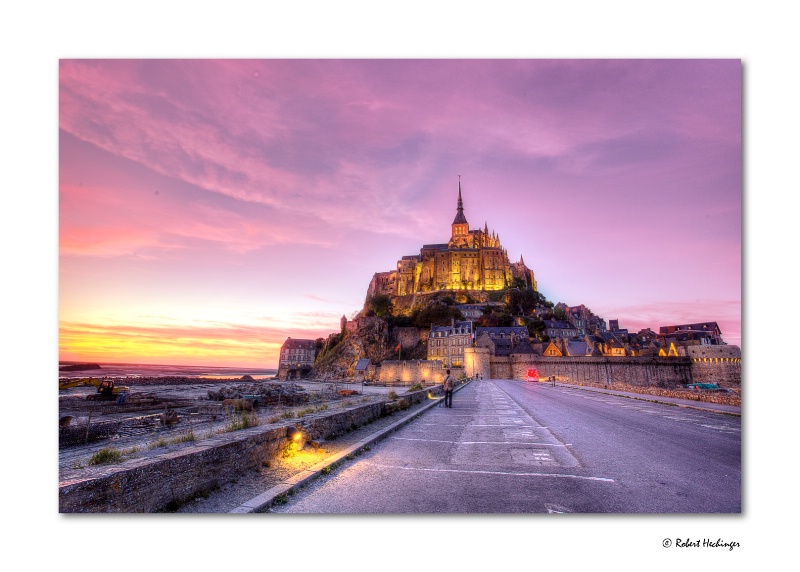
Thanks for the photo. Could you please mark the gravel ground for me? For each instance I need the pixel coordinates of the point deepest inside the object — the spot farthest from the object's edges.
(74, 461)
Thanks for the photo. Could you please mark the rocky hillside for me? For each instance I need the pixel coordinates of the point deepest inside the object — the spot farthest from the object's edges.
(372, 339)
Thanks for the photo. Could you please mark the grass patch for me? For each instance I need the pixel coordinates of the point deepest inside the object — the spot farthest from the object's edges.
(287, 415)
(392, 395)
(243, 420)
(183, 438)
(160, 442)
(305, 412)
(415, 387)
(106, 456)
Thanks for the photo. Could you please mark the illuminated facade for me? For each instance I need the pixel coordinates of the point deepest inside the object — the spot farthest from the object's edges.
(446, 343)
(471, 260)
(296, 358)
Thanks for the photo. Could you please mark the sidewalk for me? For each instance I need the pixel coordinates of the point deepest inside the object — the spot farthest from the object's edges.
(266, 499)
(688, 403)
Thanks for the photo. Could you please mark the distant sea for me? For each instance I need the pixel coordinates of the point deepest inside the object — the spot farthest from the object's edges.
(116, 370)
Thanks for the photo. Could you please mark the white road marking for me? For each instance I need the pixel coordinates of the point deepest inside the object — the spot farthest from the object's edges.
(477, 442)
(484, 425)
(722, 427)
(554, 475)
(556, 509)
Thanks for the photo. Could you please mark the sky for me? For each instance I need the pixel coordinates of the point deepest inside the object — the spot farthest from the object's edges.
(209, 209)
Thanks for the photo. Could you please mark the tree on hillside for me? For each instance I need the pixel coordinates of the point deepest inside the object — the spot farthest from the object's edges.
(439, 314)
(536, 329)
(518, 283)
(523, 302)
(379, 305)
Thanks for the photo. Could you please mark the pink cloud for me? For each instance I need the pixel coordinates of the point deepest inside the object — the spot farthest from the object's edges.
(617, 180)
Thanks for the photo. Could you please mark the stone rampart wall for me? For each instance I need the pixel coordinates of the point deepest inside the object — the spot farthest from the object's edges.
(661, 372)
(412, 371)
(716, 364)
(477, 362)
(151, 484)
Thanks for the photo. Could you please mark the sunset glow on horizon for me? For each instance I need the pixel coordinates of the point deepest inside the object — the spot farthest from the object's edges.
(209, 209)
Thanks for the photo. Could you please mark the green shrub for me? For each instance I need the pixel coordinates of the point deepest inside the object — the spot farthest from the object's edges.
(392, 395)
(289, 450)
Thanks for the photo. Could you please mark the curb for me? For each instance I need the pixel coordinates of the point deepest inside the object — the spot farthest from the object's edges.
(654, 399)
(267, 498)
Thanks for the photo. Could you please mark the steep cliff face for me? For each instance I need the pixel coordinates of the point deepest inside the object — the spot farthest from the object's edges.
(371, 338)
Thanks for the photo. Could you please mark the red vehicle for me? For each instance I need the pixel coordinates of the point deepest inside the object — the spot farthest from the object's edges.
(533, 375)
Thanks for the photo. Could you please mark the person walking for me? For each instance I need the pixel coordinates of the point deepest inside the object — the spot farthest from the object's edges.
(447, 385)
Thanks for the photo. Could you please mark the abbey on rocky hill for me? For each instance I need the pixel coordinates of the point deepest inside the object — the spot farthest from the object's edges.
(471, 260)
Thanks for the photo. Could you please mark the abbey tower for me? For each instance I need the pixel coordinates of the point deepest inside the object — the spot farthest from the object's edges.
(472, 260)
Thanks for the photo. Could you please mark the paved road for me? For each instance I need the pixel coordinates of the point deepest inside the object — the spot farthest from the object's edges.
(516, 447)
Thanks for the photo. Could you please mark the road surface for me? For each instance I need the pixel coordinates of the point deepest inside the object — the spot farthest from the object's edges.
(518, 447)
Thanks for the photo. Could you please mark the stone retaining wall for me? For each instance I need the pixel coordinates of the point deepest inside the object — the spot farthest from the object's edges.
(657, 372)
(152, 484)
(411, 371)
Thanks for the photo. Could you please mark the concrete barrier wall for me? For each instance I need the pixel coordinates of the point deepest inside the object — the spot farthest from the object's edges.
(151, 484)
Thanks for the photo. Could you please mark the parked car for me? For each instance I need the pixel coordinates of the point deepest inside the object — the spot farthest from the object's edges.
(708, 387)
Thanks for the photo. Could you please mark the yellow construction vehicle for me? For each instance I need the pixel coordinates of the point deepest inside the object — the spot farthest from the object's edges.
(106, 388)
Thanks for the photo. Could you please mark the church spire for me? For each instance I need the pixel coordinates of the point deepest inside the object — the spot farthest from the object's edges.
(460, 218)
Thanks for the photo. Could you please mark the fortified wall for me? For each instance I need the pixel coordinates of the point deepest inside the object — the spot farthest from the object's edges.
(661, 372)
(716, 364)
(407, 372)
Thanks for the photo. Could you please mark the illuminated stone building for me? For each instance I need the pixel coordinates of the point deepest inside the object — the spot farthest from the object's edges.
(446, 343)
(471, 260)
(296, 358)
